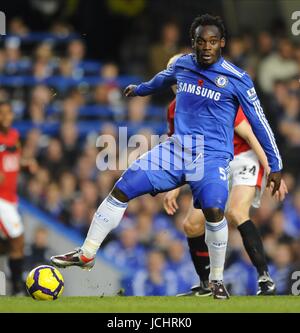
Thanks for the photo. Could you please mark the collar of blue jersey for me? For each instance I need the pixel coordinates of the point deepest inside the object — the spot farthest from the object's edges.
(212, 66)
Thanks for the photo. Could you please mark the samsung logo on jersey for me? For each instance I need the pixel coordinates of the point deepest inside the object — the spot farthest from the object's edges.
(198, 90)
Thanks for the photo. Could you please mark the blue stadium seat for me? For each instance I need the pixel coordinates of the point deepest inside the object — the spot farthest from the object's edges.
(62, 83)
(37, 37)
(96, 111)
(86, 127)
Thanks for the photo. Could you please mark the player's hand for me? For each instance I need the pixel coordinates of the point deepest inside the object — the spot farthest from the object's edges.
(283, 190)
(129, 90)
(274, 181)
(170, 203)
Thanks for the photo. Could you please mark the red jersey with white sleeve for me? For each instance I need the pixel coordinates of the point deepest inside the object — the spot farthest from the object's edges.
(240, 145)
(10, 154)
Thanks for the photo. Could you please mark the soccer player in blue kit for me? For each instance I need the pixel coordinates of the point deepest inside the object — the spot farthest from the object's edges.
(209, 92)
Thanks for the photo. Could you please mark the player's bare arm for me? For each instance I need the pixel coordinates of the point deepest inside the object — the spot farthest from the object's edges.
(244, 130)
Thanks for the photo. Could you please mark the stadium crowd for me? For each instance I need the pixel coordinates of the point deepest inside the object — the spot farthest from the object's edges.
(63, 101)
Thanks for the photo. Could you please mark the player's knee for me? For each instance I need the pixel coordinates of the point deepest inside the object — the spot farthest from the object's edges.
(193, 230)
(119, 195)
(213, 214)
(236, 215)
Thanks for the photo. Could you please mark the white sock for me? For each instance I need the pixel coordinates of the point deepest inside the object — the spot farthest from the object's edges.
(106, 218)
(216, 237)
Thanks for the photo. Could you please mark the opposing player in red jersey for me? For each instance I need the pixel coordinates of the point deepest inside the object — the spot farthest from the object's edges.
(11, 226)
(248, 174)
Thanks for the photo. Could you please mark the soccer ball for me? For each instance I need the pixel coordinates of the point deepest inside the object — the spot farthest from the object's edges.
(45, 283)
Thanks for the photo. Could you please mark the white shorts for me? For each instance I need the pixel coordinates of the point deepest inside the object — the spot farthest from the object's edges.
(247, 170)
(11, 225)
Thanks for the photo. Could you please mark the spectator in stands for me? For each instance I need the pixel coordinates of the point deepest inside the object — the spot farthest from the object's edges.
(15, 62)
(105, 181)
(43, 177)
(109, 71)
(76, 51)
(180, 263)
(281, 267)
(70, 143)
(155, 280)
(67, 187)
(265, 44)
(137, 108)
(41, 71)
(32, 144)
(66, 69)
(40, 99)
(38, 251)
(162, 239)
(161, 52)
(89, 193)
(69, 110)
(151, 205)
(277, 66)
(44, 54)
(33, 192)
(126, 252)
(17, 27)
(144, 228)
(85, 169)
(53, 202)
(61, 29)
(78, 215)
(291, 214)
(236, 51)
(101, 94)
(77, 95)
(52, 158)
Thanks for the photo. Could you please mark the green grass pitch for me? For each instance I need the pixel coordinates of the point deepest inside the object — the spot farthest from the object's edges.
(119, 304)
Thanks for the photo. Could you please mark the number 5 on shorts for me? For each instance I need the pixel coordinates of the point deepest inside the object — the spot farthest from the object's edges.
(223, 174)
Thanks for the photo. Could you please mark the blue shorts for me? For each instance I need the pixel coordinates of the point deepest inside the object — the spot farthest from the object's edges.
(155, 172)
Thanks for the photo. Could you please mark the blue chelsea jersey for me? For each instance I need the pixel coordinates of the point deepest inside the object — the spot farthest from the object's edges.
(207, 101)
